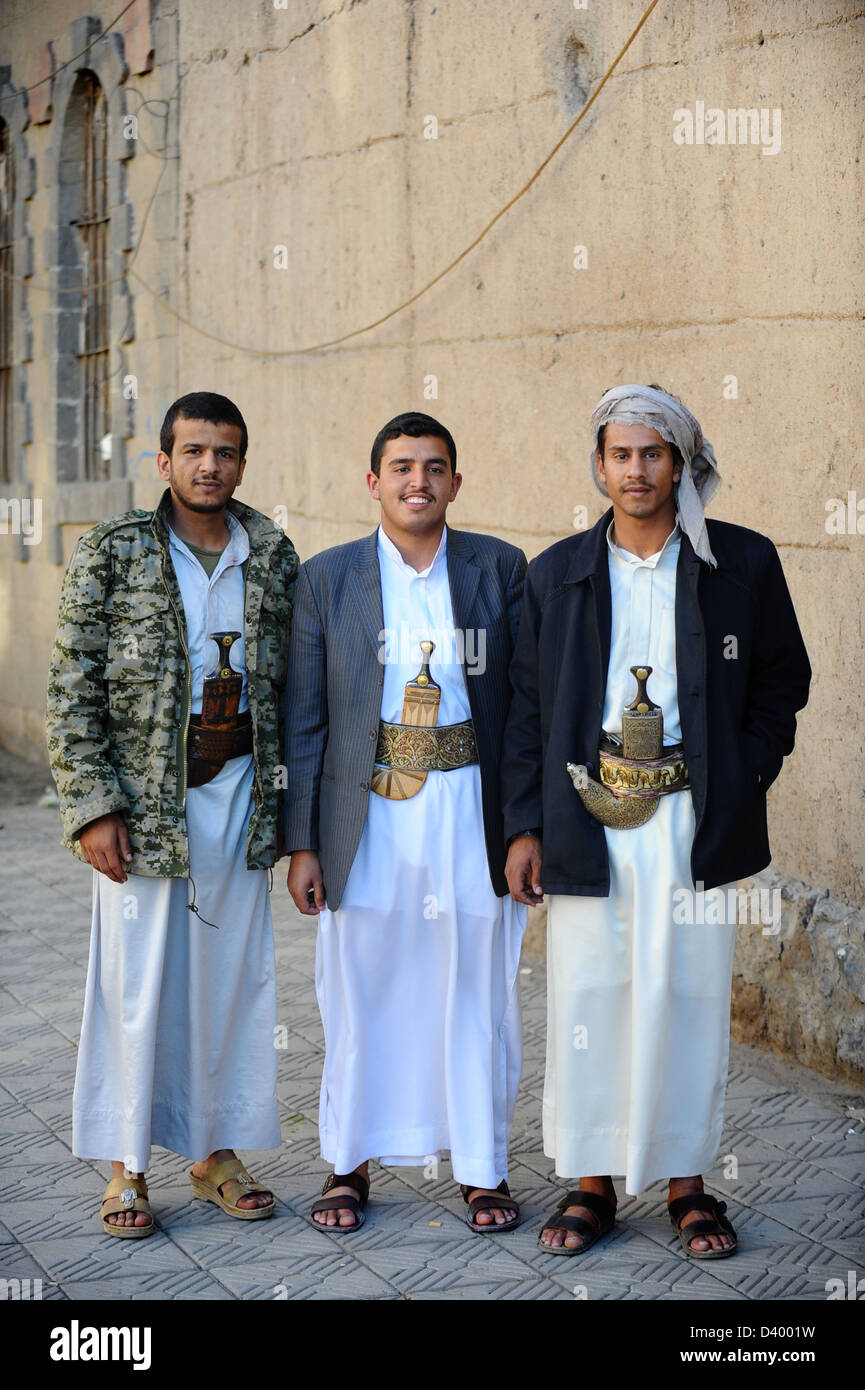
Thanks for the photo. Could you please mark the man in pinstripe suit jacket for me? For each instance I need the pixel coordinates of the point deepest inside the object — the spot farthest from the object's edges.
(418, 942)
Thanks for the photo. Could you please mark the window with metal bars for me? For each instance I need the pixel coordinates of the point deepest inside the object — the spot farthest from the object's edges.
(92, 225)
(7, 249)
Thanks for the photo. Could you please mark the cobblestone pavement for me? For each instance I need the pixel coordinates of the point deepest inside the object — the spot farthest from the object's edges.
(798, 1197)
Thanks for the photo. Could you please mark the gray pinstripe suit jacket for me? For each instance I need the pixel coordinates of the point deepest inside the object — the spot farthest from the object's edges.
(334, 686)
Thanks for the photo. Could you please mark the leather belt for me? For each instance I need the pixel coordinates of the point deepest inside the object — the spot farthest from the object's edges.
(439, 748)
(208, 749)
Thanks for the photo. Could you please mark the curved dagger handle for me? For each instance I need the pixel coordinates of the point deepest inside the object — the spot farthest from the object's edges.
(642, 721)
(224, 641)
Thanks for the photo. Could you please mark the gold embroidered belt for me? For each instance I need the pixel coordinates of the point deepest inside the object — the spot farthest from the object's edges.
(439, 748)
(644, 777)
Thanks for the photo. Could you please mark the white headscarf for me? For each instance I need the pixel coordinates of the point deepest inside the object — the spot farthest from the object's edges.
(700, 480)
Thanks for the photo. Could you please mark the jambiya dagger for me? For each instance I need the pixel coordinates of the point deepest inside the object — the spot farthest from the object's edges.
(635, 767)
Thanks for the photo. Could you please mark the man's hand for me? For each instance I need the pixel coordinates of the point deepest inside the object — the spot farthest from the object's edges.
(105, 844)
(304, 879)
(523, 870)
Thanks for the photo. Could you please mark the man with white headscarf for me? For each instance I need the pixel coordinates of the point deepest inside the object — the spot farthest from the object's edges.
(657, 674)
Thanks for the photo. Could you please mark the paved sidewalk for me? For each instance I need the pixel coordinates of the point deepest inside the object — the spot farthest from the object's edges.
(796, 1140)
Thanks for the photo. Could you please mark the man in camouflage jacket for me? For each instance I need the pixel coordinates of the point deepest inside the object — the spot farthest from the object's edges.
(177, 1040)
(119, 678)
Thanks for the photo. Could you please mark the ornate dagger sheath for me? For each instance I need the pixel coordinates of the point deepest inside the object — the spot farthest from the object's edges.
(420, 709)
(635, 775)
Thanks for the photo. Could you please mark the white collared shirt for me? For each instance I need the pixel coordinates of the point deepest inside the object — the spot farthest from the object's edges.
(417, 605)
(643, 594)
(212, 604)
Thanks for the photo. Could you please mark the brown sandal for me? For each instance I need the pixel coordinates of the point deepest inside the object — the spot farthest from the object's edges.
(355, 1205)
(486, 1203)
(578, 1225)
(720, 1225)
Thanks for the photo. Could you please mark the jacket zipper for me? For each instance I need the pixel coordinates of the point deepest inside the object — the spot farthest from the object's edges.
(188, 677)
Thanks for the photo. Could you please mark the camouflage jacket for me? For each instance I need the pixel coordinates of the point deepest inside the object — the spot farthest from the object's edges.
(120, 673)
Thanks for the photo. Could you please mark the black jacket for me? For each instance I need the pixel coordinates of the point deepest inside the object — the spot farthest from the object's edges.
(738, 713)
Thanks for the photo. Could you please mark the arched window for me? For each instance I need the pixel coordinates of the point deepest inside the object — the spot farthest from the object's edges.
(7, 237)
(85, 297)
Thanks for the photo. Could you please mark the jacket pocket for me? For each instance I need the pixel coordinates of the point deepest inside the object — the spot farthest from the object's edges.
(137, 638)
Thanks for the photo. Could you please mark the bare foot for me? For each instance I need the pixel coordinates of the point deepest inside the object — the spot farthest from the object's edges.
(571, 1241)
(204, 1165)
(682, 1187)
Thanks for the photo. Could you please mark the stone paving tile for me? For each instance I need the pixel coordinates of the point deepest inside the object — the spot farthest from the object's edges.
(346, 1279)
(185, 1286)
(88, 1256)
(797, 1197)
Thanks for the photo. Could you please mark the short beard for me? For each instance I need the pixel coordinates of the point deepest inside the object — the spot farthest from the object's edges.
(204, 506)
(194, 505)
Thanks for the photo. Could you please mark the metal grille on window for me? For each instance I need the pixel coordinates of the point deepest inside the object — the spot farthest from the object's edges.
(94, 341)
(7, 203)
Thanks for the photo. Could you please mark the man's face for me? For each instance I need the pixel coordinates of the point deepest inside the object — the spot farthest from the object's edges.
(638, 470)
(415, 483)
(205, 464)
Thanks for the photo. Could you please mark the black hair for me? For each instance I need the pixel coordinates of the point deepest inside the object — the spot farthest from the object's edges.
(202, 405)
(415, 425)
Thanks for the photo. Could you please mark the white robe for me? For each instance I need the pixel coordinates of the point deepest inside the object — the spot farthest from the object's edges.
(638, 1020)
(177, 1040)
(416, 973)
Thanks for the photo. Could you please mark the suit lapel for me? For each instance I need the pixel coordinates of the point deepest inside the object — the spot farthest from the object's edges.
(365, 591)
(463, 576)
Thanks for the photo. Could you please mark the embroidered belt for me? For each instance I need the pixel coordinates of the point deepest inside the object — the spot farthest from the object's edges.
(439, 748)
(642, 776)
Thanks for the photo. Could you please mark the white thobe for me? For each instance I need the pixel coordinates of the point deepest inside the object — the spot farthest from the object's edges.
(416, 972)
(638, 1021)
(177, 1041)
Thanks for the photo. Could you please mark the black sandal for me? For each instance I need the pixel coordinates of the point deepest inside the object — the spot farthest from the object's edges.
(718, 1226)
(578, 1225)
(355, 1205)
(487, 1204)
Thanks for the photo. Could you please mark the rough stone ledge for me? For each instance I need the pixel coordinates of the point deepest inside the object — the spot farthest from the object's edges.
(800, 991)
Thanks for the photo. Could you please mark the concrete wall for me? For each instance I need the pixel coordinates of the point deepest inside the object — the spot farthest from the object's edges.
(730, 275)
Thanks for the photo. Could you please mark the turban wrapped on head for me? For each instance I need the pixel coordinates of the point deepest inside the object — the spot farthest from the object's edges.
(700, 480)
